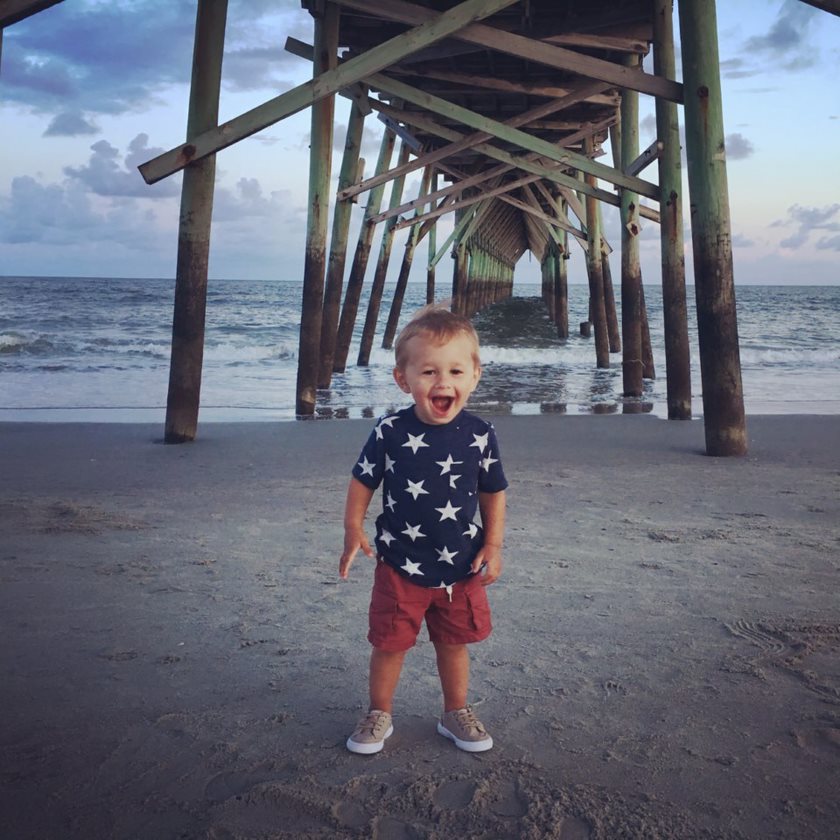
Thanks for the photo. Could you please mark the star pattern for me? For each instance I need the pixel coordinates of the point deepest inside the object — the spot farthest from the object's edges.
(413, 532)
(448, 511)
(487, 462)
(415, 442)
(411, 568)
(435, 541)
(416, 488)
(387, 537)
(446, 556)
(446, 466)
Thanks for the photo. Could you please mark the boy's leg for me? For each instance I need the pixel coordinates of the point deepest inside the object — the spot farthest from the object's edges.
(453, 662)
(385, 669)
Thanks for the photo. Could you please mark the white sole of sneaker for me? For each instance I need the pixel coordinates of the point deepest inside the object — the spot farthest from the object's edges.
(467, 746)
(369, 749)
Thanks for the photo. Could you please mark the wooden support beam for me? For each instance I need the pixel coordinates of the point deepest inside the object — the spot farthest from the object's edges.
(188, 318)
(674, 309)
(435, 28)
(315, 255)
(520, 46)
(525, 163)
(378, 285)
(631, 270)
(595, 269)
(403, 133)
(338, 248)
(647, 157)
(471, 140)
(717, 323)
(12, 11)
(511, 135)
(430, 269)
(355, 281)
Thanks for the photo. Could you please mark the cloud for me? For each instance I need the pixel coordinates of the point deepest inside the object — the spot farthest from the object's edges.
(247, 201)
(70, 124)
(738, 147)
(829, 243)
(789, 38)
(808, 220)
(105, 176)
(111, 58)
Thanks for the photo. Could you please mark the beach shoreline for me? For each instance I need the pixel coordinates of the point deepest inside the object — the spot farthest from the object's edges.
(182, 660)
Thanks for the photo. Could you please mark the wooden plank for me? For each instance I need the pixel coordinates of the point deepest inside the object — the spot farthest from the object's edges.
(433, 29)
(553, 56)
(473, 139)
(12, 11)
(648, 156)
(512, 135)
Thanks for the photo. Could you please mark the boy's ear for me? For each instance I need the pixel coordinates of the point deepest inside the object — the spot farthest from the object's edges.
(399, 378)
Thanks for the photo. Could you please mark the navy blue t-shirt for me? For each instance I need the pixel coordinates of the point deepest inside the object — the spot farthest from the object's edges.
(431, 478)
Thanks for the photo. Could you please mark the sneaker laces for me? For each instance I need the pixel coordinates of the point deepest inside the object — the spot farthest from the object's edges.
(466, 718)
(369, 724)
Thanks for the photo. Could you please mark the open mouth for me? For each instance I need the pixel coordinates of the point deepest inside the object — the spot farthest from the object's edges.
(442, 404)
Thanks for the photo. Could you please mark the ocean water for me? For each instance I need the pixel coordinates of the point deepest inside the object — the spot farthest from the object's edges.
(83, 349)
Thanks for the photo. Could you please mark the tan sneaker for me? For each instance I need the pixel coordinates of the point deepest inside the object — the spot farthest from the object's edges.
(465, 729)
(370, 733)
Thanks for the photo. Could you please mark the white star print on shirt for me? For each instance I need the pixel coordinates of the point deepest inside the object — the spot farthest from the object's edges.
(446, 555)
(411, 568)
(389, 463)
(446, 466)
(416, 488)
(387, 537)
(472, 529)
(367, 467)
(452, 479)
(412, 531)
(487, 462)
(448, 512)
(391, 503)
(415, 442)
(480, 441)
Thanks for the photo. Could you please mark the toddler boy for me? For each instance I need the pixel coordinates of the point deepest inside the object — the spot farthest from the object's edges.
(438, 464)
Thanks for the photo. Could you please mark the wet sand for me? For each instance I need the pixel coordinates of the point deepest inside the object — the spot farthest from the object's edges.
(180, 659)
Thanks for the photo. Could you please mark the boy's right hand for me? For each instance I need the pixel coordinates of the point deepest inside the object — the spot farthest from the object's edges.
(353, 541)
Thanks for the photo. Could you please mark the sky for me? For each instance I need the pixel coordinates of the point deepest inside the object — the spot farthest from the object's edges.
(89, 89)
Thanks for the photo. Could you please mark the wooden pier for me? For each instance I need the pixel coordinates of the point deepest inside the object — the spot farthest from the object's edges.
(505, 106)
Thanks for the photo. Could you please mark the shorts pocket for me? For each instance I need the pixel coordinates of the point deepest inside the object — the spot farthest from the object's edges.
(479, 608)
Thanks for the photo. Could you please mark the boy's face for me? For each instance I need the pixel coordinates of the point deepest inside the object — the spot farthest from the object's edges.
(440, 377)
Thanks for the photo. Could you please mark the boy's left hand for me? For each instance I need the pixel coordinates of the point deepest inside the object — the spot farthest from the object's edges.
(491, 555)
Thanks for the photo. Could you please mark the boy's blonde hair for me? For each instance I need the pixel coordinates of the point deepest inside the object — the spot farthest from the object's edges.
(441, 326)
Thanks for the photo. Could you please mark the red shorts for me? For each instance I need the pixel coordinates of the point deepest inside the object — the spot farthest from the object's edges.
(398, 607)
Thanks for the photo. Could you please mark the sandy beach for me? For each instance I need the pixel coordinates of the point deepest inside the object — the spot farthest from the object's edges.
(180, 659)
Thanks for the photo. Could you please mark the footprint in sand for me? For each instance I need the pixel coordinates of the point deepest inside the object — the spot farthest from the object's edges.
(455, 794)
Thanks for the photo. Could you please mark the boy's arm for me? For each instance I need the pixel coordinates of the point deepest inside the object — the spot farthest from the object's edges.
(355, 508)
(492, 507)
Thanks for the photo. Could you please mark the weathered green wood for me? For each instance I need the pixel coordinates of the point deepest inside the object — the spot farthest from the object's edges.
(598, 314)
(338, 248)
(378, 285)
(460, 268)
(648, 367)
(323, 85)
(674, 309)
(189, 312)
(510, 134)
(717, 323)
(355, 281)
(609, 292)
(515, 162)
(402, 279)
(561, 287)
(539, 51)
(430, 269)
(315, 255)
(631, 269)
(470, 140)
